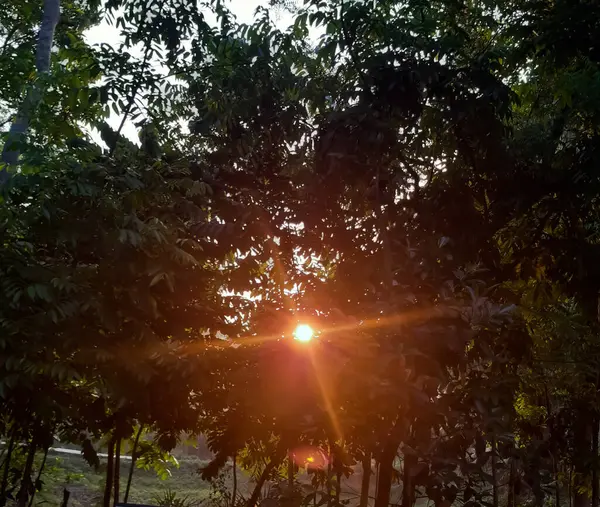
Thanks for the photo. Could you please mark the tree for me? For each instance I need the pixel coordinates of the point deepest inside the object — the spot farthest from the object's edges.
(402, 187)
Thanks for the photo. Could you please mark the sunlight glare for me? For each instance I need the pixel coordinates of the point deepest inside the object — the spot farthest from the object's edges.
(303, 333)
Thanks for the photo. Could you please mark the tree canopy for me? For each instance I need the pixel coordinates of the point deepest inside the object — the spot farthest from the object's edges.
(417, 181)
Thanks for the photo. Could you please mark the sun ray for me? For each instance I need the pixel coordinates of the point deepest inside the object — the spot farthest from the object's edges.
(325, 395)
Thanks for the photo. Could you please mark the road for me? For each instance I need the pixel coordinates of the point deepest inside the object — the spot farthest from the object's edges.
(76, 451)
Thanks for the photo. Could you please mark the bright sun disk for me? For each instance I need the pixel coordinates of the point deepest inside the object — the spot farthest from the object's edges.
(303, 333)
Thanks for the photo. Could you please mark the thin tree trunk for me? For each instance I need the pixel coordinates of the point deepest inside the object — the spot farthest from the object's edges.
(117, 479)
(571, 486)
(583, 446)
(11, 446)
(290, 470)
(261, 481)
(366, 480)
(384, 481)
(23, 494)
(557, 482)
(595, 430)
(39, 475)
(20, 125)
(66, 495)
(512, 477)
(133, 462)
(494, 473)
(555, 465)
(338, 487)
(408, 488)
(109, 473)
(330, 475)
(382, 199)
(234, 471)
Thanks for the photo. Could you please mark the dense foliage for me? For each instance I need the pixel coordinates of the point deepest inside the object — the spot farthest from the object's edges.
(416, 180)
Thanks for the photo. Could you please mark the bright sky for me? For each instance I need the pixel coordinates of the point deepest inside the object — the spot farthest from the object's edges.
(244, 11)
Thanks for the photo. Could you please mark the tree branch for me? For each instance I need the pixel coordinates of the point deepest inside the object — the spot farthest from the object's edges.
(131, 101)
(10, 151)
(9, 35)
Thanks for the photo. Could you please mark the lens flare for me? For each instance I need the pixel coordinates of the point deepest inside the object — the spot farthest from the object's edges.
(310, 457)
(303, 333)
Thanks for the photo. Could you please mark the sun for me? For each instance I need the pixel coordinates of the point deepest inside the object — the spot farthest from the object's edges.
(303, 333)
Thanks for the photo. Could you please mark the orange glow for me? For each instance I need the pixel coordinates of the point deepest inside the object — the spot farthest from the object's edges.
(310, 457)
(303, 333)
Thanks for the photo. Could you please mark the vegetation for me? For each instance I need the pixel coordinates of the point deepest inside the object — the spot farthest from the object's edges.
(419, 185)
(86, 485)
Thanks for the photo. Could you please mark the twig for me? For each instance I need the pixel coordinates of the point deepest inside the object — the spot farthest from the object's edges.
(8, 37)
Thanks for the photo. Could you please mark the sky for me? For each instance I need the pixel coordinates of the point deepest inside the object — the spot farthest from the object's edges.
(244, 11)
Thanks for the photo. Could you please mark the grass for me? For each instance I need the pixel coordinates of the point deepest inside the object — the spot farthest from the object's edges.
(86, 484)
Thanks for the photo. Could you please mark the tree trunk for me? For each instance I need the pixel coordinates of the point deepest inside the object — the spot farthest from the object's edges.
(595, 430)
(330, 475)
(338, 487)
(570, 489)
(408, 488)
(234, 471)
(366, 480)
(512, 478)
(39, 476)
(557, 487)
(109, 473)
(11, 150)
(384, 481)
(133, 462)
(580, 497)
(117, 479)
(290, 470)
(494, 473)
(26, 484)
(261, 481)
(66, 495)
(583, 446)
(337, 461)
(7, 461)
